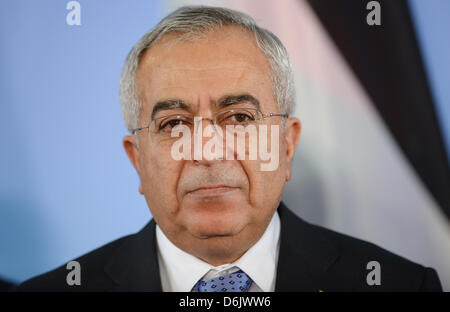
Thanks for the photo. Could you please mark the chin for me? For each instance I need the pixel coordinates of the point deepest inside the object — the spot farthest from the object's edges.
(215, 217)
(208, 229)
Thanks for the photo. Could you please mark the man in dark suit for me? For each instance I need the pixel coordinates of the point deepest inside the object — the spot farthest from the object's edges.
(218, 223)
(311, 258)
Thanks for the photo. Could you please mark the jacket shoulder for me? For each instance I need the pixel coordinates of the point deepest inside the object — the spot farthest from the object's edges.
(91, 268)
(373, 268)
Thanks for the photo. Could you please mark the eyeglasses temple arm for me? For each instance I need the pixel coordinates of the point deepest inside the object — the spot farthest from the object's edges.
(274, 114)
(133, 131)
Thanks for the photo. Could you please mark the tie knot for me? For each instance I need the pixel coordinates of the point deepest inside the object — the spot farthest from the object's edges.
(234, 282)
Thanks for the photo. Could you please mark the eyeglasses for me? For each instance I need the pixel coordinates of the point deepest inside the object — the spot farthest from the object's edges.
(163, 125)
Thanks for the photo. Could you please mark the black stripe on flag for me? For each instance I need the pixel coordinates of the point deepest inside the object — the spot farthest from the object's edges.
(387, 61)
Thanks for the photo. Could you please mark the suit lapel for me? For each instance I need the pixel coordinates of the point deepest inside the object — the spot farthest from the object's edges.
(305, 255)
(134, 266)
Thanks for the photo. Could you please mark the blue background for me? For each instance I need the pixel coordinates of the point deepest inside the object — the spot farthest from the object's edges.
(432, 24)
(66, 185)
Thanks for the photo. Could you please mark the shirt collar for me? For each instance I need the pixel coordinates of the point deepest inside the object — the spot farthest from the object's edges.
(183, 270)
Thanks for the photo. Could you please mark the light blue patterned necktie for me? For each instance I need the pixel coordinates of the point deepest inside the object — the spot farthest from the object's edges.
(234, 282)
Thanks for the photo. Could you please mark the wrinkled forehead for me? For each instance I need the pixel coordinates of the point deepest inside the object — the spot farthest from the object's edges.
(205, 68)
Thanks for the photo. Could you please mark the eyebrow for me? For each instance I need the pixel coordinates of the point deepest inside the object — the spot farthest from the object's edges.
(228, 100)
(169, 104)
(224, 101)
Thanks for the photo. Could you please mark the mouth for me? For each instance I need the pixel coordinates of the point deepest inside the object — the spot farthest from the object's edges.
(212, 190)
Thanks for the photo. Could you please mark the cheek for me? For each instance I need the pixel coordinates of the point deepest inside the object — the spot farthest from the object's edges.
(283, 151)
(160, 179)
(267, 186)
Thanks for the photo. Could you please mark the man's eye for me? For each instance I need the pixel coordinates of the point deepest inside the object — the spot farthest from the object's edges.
(241, 117)
(170, 124)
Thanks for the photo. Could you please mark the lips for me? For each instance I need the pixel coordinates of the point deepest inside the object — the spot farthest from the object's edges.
(212, 190)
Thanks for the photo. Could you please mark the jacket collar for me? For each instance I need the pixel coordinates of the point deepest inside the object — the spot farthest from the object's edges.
(304, 258)
(134, 265)
(305, 255)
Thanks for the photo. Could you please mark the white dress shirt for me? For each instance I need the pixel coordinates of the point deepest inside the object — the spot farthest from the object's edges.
(180, 271)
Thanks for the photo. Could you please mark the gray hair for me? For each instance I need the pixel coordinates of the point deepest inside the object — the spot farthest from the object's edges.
(194, 21)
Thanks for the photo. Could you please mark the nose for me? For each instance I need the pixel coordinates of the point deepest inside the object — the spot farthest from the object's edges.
(207, 142)
(198, 124)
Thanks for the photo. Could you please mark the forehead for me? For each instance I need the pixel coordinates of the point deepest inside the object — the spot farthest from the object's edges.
(223, 61)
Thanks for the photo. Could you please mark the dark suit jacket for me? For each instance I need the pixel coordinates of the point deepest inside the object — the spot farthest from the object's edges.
(311, 258)
(5, 286)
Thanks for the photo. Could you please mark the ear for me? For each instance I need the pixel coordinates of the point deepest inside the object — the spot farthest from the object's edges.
(132, 150)
(292, 135)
